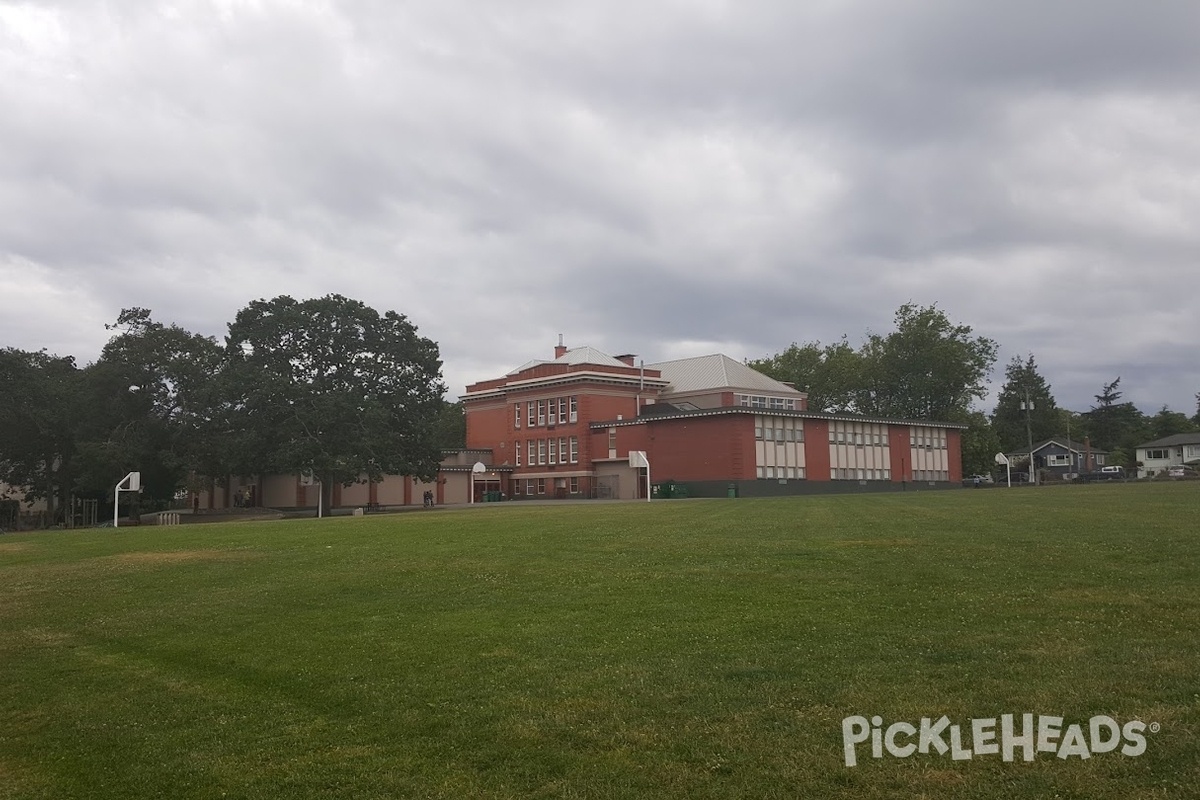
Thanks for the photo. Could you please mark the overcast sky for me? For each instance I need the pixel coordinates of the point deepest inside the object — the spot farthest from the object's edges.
(664, 178)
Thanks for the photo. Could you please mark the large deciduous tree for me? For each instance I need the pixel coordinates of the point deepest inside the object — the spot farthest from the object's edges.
(151, 404)
(332, 387)
(927, 368)
(831, 375)
(1023, 382)
(40, 405)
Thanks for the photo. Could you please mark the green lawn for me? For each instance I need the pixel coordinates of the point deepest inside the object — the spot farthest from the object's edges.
(706, 648)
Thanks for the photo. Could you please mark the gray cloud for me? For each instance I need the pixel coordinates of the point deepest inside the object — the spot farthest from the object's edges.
(668, 179)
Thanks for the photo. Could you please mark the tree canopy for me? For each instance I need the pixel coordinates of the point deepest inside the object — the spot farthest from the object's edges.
(332, 387)
(927, 368)
(1022, 382)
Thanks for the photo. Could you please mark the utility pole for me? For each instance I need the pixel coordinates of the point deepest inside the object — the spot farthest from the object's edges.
(1028, 406)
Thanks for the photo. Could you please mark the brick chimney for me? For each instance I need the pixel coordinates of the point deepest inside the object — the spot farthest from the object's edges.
(560, 349)
(627, 359)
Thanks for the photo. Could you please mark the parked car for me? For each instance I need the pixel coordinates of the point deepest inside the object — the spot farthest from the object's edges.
(1181, 472)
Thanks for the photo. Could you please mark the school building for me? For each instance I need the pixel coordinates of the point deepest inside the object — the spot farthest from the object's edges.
(564, 427)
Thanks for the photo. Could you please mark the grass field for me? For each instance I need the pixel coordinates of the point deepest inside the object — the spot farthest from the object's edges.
(707, 648)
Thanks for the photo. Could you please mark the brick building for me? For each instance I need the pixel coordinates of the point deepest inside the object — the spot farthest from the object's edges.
(564, 427)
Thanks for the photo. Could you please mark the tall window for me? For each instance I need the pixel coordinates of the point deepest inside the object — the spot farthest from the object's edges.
(574, 410)
(530, 406)
(516, 415)
(532, 452)
(541, 451)
(574, 449)
(541, 412)
(552, 412)
(562, 410)
(553, 451)
(562, 451)
(517, 450)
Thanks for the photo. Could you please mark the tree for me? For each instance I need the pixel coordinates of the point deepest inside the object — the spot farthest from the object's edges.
(152, 400)
(830, 375)
(928, 368)
(1167, 423)
(451, 427)
(1112, 424)
(332, 387)
(40, 405)
(979, 445)
(1023, 381)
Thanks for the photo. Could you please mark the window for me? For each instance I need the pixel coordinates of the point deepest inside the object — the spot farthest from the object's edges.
(762, 473)
(612, 438)
(530, 417)
(1164, 453)
(1058, 460)
(541, 412)
(562, 410)
(552, 413)
(541, 451)
(574, 410)
(541, 485)
(553, 451)
(516, 486)
(532, 452)
(574, 450)
(758, 433)
(517, 450)
(529, 486)
(562, 451)
(574, 485)
(516, 415)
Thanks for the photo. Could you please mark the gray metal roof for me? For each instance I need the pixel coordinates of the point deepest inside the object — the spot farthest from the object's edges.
(717, 371)
(575, 356)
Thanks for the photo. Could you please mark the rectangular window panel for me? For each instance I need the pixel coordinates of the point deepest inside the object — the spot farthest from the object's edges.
(574, 485)
(574, 450)
(541, 451)
(516, 415)
(562, 409)
(532, 452)
(541, 412)
(529, 486)
(541, 485)
(531, 408)
(552, 413)
(553, 451)
(574, 410)
(517, 450)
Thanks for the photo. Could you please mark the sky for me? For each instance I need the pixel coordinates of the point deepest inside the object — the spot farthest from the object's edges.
(669, 179)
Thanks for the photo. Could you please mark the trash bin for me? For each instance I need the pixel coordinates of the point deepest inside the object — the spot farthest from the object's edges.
(731, 490)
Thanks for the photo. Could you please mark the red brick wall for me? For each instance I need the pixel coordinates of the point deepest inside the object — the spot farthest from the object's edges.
(901, 453)
(701, 448)
(954, 454)
(488, 425)
(816, 449)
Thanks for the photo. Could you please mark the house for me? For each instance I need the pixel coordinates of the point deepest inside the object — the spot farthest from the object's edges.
(1058, 458)
(1170, 451)
(566, 427)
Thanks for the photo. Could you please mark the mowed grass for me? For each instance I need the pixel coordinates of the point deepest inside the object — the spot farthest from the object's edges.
(705, 648)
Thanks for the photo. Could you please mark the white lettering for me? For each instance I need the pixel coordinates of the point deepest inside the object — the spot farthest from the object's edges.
(1073, 744)
(956, 749)
(1132, 732)
(854, 731)
(876, 737)
(983, 737)
(889, 740)
(1048, 730)
(933, 735)
(1009, 740)
(1098, 743)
